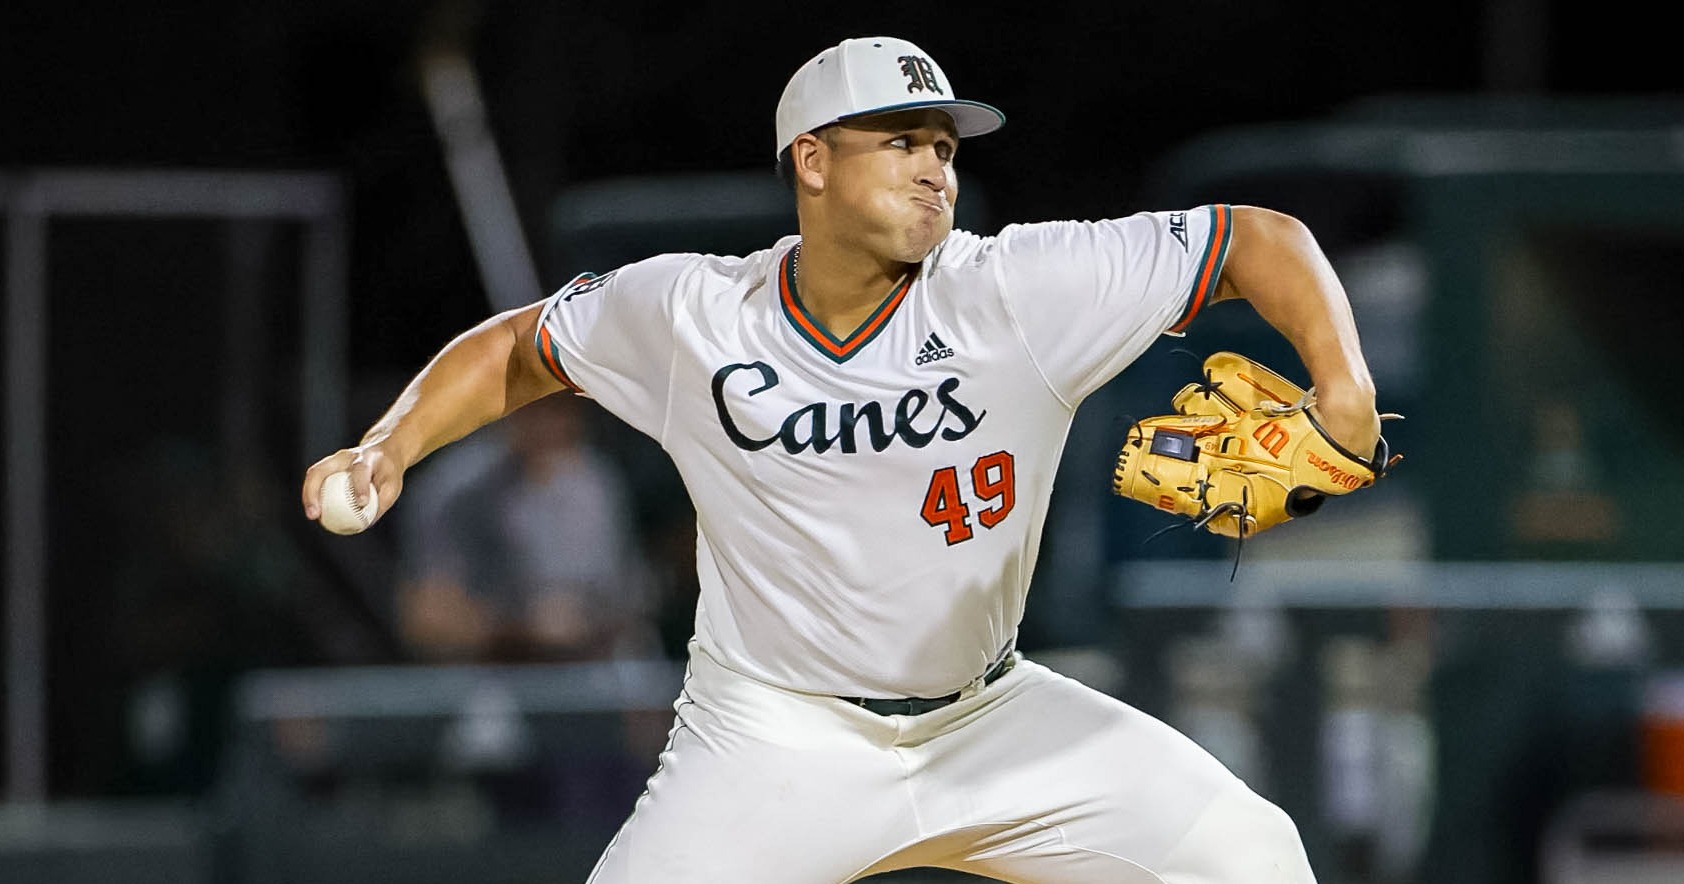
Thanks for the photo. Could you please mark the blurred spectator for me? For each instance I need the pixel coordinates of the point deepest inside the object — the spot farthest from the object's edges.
(518, 545)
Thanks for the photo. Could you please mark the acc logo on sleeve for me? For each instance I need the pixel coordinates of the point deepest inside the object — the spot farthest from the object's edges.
(585, 283)
(1178, 228)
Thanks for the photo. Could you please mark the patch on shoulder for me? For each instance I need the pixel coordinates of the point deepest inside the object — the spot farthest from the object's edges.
(585, 283)
(1178, 228)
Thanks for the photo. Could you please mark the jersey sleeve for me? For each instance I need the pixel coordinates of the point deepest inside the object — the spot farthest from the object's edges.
(610, 338)
(1090, 296)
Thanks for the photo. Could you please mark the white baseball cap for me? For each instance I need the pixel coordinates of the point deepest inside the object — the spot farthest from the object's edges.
(873, 75)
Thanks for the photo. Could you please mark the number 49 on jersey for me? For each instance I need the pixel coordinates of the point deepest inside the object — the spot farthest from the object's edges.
(991, 482)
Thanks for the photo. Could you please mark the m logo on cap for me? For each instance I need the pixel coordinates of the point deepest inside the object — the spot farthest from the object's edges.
(922, 77)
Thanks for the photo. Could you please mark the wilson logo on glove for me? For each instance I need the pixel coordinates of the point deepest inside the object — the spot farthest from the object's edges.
(1272, 438)
(1338, 476)
(1194, 463)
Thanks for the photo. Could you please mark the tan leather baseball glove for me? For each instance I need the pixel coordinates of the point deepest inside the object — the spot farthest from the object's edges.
(1241, 454)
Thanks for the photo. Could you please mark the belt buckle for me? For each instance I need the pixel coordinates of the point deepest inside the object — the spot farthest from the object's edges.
(975, 687)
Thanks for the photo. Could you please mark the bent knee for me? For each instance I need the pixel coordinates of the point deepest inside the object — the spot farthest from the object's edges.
(1241, 838)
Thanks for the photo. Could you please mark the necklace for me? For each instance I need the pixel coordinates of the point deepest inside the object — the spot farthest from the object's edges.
(795, 267)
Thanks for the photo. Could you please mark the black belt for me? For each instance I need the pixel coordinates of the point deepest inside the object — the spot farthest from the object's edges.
(921, 705)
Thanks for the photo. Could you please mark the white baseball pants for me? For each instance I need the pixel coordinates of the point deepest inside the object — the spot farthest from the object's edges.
(1037, 779)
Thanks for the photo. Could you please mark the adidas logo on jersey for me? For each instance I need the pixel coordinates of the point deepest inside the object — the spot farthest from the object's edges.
(934, 348)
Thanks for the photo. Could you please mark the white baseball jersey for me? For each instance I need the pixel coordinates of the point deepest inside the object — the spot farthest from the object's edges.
(870, 503)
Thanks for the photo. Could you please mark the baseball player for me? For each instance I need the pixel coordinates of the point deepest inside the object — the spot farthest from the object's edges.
(868, 417)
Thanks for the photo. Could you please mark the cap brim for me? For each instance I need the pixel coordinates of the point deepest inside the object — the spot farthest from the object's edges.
(969, 117)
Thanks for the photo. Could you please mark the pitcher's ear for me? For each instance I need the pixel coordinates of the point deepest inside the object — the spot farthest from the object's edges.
(809, 158)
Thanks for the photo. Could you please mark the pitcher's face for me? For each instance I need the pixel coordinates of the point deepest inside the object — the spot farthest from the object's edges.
(891, 178)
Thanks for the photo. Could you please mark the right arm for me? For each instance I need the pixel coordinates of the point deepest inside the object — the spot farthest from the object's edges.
(482, 375)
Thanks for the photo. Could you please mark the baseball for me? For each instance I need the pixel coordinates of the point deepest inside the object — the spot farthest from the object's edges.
(340, 513)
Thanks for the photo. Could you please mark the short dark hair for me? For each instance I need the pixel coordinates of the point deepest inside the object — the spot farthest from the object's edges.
(786, 169)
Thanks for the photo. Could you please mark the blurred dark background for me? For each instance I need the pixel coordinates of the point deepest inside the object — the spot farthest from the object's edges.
(1498, 183)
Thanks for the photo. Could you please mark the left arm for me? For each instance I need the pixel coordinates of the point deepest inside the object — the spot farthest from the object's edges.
(1275, 263)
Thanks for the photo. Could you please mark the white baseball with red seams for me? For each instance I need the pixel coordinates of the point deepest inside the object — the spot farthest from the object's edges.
(341, 513)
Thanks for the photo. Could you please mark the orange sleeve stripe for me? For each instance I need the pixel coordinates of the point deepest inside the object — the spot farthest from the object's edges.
(1216, 251)
(547, 350)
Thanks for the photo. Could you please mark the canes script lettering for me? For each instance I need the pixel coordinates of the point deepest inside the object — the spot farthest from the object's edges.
(811, 426)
